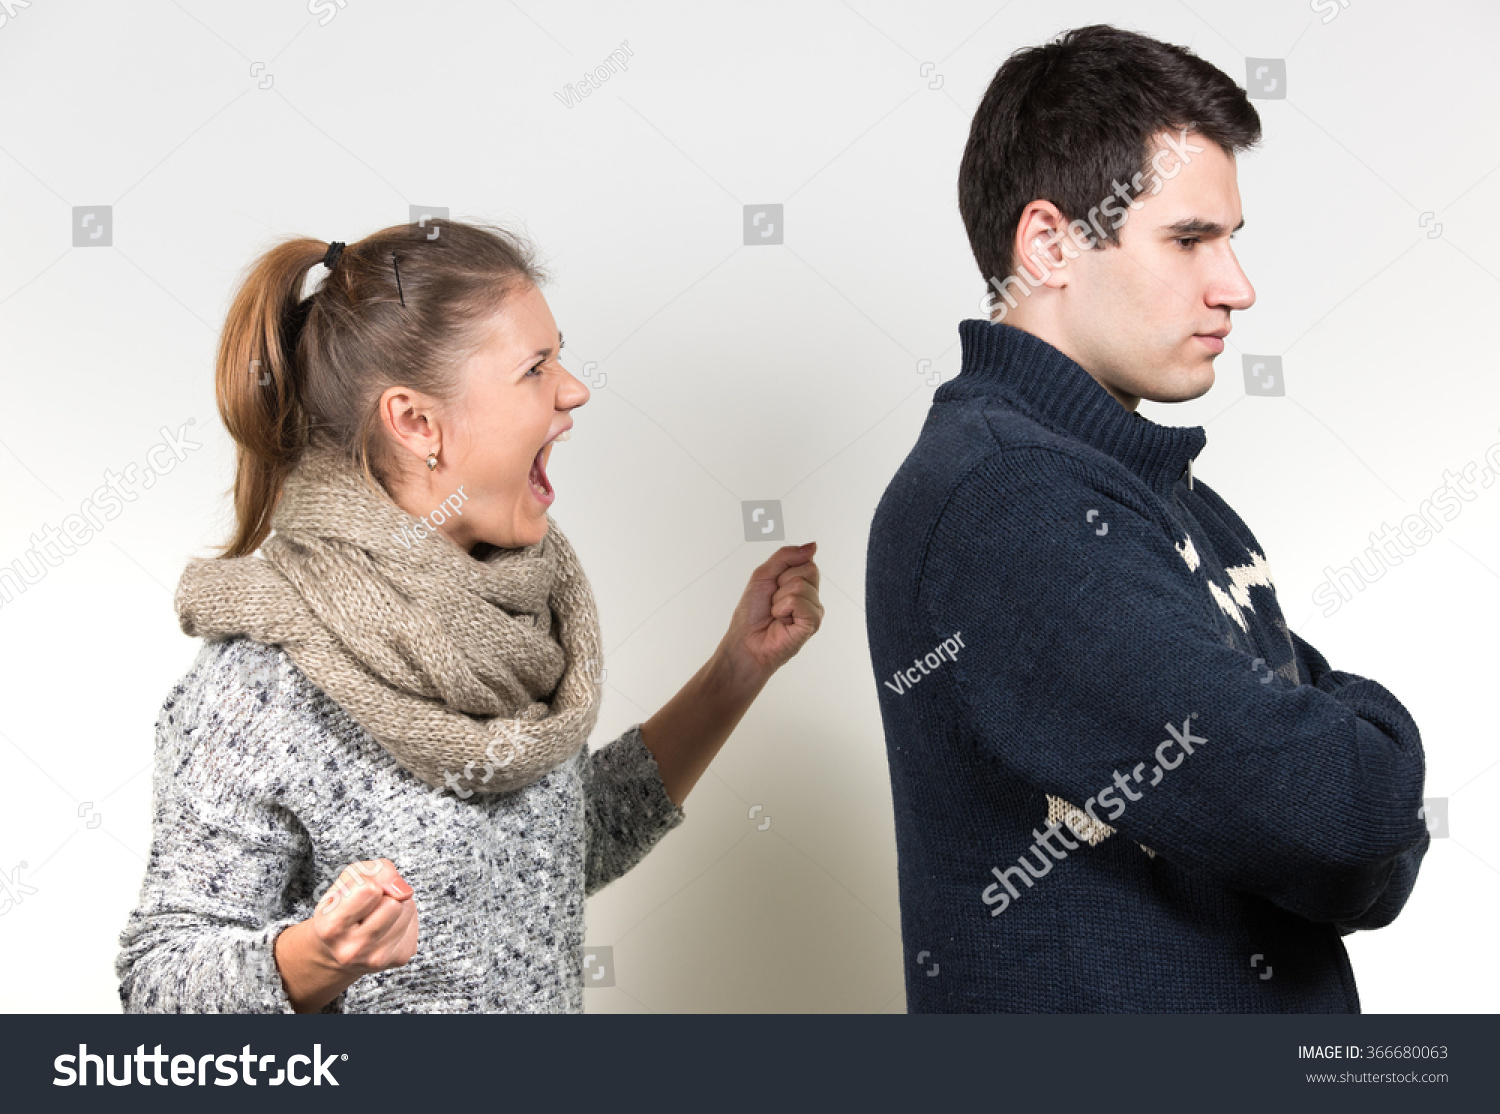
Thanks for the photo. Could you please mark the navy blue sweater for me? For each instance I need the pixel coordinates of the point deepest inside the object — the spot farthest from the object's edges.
(1121, 783)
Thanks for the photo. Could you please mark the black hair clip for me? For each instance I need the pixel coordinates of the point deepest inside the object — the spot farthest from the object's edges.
(399, 291)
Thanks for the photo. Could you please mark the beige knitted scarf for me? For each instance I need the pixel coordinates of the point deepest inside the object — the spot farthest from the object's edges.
(450, 661)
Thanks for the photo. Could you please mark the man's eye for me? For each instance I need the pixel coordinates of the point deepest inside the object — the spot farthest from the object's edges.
(1187, 240)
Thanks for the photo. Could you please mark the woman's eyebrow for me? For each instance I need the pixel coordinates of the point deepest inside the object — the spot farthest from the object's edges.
(543, 352)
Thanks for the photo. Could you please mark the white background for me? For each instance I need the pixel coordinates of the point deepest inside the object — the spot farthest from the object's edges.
(731, 373)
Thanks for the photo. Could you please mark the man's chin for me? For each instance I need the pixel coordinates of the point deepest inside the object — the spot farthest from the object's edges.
(1184, 388)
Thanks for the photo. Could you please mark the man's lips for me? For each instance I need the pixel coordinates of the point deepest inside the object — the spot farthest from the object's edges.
(1214, 340)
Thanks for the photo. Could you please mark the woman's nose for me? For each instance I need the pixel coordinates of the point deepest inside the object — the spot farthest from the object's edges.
(572, 393)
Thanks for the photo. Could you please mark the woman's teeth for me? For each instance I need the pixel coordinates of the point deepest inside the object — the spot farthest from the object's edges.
(541, 487)
(538, 488)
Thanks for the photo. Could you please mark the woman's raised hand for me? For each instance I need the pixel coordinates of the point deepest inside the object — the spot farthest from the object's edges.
(777, 614)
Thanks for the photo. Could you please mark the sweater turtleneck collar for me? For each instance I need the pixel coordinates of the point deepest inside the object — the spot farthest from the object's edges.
(1039, 380)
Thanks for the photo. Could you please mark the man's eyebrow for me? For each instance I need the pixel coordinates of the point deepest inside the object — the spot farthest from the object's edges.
(1197, 226)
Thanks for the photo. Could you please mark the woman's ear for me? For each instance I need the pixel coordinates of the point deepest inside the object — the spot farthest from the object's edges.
(410, 418)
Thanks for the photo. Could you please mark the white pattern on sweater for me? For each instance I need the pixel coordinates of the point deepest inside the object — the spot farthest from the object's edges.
(264, 790)
(1241, 578)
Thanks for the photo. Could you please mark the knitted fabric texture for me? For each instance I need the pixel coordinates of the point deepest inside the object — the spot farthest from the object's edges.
(264, 790)
(1060, 848)
(450, 661)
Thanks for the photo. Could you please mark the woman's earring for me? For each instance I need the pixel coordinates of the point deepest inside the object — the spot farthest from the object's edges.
(432, 460)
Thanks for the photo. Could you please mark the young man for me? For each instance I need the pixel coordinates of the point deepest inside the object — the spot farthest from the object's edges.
(1121, 783)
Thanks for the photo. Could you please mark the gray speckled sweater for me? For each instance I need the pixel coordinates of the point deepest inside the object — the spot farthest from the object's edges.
(265, 789)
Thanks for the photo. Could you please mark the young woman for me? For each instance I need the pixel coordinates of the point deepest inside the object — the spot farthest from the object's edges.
(393, 703)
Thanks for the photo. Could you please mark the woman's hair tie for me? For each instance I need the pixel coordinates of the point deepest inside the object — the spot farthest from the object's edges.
(331, 259)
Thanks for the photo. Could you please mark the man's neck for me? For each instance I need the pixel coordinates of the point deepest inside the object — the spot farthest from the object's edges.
(1128, 401)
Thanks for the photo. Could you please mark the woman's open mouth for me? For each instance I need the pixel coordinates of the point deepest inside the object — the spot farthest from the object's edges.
(541, 487)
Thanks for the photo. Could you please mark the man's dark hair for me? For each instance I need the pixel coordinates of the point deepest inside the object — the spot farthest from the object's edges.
(1064, 121)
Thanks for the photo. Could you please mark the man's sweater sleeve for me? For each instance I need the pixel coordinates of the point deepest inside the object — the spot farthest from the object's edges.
(626, 806)
(1091, 651)
(202, 936)
(1403, 875)
(1310, 664)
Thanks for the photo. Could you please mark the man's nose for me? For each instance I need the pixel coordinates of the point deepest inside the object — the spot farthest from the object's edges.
(1233, 288)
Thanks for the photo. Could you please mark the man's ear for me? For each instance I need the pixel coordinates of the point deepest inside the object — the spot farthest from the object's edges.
(1042, 249)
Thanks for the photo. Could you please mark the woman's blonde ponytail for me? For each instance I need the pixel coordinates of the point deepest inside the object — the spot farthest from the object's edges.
(256, 385)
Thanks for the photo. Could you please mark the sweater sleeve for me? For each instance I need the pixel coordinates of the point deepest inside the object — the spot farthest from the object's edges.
(626, 806)
(1403, 876)
(215, 894)
(1310, 663)
(1098, 668)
